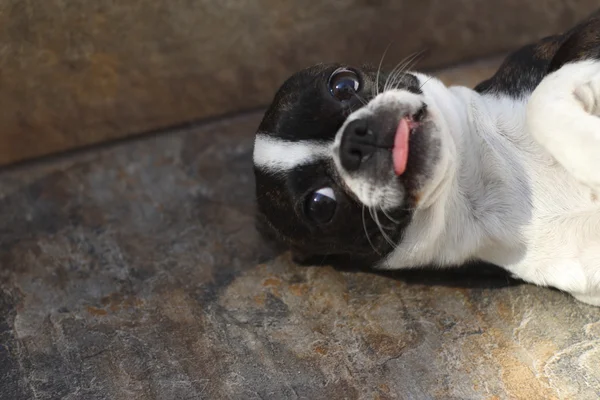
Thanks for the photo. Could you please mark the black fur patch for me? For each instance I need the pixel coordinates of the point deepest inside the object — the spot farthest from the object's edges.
(522, 71)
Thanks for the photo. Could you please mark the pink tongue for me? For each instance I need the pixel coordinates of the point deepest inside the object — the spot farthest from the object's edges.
(400, 151)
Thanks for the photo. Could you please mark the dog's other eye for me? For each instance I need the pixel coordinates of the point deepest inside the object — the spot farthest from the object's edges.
(321, 205)
(343, 84)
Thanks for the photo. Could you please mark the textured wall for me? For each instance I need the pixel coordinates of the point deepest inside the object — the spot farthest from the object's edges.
(81, 72)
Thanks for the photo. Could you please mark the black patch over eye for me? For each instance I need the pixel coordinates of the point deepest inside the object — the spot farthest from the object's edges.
(343, 84)
(320, 205)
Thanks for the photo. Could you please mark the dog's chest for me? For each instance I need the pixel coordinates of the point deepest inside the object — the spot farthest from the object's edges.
(540, 217)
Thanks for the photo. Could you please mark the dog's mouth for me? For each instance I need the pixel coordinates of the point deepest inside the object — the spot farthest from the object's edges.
(406, 128)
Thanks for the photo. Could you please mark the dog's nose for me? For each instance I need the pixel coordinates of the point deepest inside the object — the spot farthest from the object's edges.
(357, 145)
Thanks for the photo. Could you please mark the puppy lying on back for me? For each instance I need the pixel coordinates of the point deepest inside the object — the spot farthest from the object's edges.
(396, 169)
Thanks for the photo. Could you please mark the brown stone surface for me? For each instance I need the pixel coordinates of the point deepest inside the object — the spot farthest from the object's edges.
(134, 272)
(74, 73)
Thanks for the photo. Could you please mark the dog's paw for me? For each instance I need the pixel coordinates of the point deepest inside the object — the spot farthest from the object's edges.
(563, 115)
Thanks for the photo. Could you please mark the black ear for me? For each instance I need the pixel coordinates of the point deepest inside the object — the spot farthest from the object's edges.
(265, 230)
(582, 43)
(274, 246)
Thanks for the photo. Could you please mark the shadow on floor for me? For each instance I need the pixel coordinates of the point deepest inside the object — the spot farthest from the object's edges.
(473, 275)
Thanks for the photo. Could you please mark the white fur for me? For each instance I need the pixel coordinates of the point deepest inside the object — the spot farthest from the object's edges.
(563, 117)
(504, 199)
(278, 155)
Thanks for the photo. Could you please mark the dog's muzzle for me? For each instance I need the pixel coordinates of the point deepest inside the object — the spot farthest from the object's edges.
(365, 136)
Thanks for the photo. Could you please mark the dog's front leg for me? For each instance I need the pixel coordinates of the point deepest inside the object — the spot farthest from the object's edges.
(563, 115)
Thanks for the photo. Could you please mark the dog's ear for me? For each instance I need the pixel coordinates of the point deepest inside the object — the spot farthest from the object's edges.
(274, 246)
(582, 43)
(277, 245)
(265, 230)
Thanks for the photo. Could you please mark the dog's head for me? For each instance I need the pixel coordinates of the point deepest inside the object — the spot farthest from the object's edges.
(344, 157)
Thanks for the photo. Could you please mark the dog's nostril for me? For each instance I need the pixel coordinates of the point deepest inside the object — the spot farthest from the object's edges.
(358, 144)
(361, 131)
(351, 159)
(357, 128)
(356, 155)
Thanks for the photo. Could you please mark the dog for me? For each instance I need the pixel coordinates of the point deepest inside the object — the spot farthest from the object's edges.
(399, 171)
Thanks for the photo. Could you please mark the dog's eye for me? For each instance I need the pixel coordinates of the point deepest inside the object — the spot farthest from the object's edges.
(321, 205)
(343, 84)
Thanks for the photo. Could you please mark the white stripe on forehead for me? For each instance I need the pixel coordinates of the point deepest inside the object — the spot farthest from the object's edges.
(279, 155)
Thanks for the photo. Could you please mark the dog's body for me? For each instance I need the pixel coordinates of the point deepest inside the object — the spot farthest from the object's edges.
(507, 173)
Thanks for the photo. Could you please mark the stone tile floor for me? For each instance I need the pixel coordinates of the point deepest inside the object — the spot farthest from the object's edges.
(133, 271)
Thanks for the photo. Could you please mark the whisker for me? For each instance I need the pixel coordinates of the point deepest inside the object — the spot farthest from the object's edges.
(325, 257)
(367, 232)
(398, 69)
(350, 109)
(385, 235)
(423, 84)
(392, 72)
(376, 218)
(407, 66)
(361, 99)
(392, 220)
(387, 193)
(417, 59)
(398, 73)
(376, 92)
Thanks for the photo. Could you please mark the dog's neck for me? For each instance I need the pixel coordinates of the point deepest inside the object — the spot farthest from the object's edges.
(492, 192)
(483, 202)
